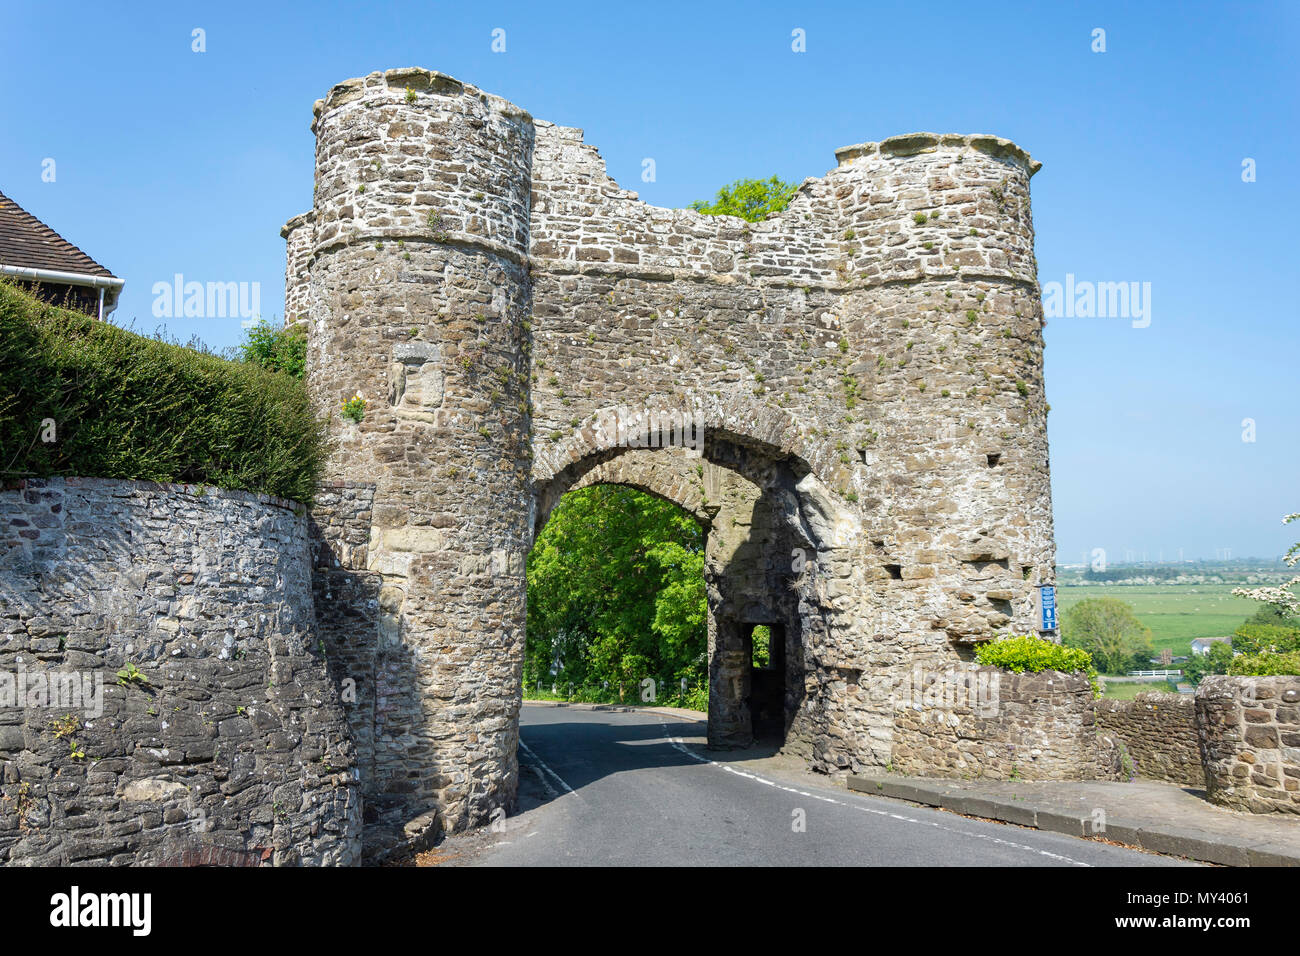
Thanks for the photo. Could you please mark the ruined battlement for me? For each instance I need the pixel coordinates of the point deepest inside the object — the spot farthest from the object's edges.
(971, 189)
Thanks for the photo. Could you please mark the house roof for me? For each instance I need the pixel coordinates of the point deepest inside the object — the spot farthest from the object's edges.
(1209, 640)
(28, 243)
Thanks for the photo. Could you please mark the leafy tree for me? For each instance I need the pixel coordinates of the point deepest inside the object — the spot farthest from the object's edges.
(762, 638)
(750, 199)
(1108, 630)
(616, 594)
(280, 350)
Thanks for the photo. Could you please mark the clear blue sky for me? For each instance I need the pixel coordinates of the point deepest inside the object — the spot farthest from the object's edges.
(171, 161)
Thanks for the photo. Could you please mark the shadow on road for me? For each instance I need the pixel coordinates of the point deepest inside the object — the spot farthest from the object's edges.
(580, 751)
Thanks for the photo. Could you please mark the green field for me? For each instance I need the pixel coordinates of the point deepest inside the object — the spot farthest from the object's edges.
(1175, 613)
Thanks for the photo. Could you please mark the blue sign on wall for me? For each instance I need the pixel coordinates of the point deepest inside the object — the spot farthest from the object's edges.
(1047, 601)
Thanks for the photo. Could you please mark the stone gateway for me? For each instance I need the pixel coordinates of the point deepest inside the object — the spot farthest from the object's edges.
(864, 369)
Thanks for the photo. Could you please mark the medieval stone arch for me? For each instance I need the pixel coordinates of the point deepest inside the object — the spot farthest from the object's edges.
(870, 360)
(768, 533)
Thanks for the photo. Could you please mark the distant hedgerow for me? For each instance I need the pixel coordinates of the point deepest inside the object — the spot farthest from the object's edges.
(82, 397)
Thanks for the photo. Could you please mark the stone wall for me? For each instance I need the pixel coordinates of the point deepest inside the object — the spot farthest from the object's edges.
(297, 234)
(231, 747)
(985, 722)
(1152, 736)
(1249, 731)
(867, 364)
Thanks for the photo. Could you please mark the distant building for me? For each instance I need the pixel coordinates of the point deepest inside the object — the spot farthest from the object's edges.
(1202, 644)
(53, 269)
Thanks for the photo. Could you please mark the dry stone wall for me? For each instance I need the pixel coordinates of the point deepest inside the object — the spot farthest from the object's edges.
(230, 747)
(867, 364)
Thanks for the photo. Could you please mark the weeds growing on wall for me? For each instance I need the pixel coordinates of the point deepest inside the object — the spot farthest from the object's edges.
(82, 397)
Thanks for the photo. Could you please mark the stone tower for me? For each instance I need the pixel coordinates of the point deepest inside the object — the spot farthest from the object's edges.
(865, 368)
(417, 301)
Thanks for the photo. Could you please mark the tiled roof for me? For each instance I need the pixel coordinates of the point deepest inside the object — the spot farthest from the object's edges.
(27, 242)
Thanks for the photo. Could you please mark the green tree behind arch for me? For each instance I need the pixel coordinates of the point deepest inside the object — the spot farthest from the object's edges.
(750, 199)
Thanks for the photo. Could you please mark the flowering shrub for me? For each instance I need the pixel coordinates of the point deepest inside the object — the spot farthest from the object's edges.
(1283, 597)
(1027, 652)
(1270, 649)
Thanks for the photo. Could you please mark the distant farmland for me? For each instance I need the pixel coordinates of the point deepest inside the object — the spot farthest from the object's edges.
(1176, 614)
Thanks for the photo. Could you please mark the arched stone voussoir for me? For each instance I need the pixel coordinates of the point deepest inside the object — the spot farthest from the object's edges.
(734, 419)
(667, 473)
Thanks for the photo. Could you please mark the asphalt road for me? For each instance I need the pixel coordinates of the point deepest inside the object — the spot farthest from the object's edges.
(638, 789)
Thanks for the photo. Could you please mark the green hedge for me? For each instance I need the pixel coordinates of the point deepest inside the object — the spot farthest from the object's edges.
(1254, 638)
(1027, 652)
(125, 406)
(1265, 664)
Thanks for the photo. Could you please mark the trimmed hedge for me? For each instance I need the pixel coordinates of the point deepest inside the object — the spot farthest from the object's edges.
(125, 406)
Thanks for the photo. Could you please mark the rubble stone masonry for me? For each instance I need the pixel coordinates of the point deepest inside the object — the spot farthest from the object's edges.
(1157, 734)
(164, 698)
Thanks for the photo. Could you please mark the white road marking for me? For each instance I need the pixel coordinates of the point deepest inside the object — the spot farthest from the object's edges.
(539, 762)
(677, 742)
(541, 778)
